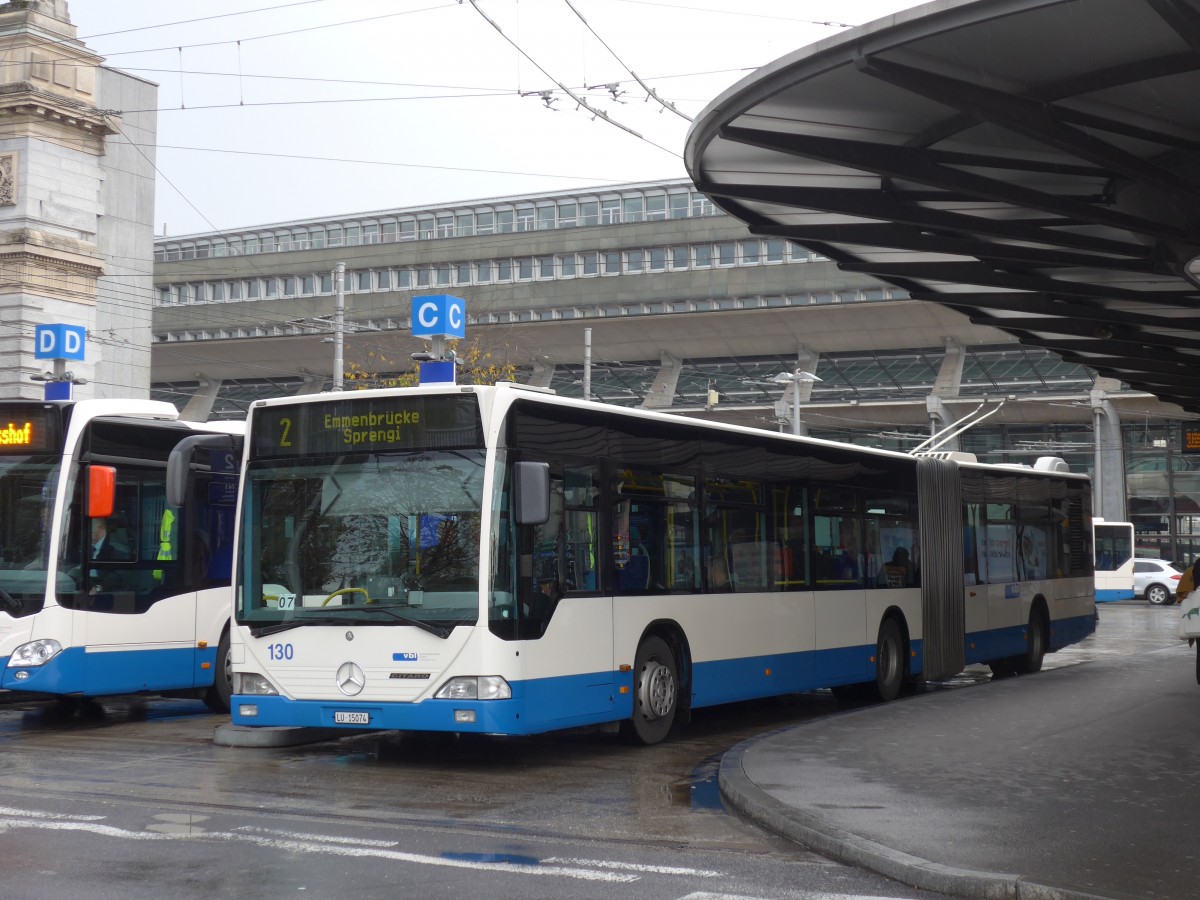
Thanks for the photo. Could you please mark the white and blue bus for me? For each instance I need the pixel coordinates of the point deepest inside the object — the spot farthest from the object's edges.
(503, 560)
(105, 588)
(1113, 542)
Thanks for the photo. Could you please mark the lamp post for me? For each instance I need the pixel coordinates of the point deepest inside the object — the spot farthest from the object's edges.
(793, 379)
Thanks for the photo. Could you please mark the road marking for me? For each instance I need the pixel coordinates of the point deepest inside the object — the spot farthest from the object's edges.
(327, 838)
(52, 822)
(38, 814)
(634, 867)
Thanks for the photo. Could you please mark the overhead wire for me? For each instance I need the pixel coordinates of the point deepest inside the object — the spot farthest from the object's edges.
(599, 113)
(240, 12)
(653, 94)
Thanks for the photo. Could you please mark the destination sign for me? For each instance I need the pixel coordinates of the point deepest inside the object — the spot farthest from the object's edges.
(1191, 439)
(367, 425)
(28, 428)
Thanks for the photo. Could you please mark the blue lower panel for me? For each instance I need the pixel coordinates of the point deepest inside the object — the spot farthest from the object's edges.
(545, 704)
(984, 646)
(75, 671)
(1108, 596)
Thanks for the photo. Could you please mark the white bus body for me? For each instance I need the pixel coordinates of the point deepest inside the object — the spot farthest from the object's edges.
(495, 559)
(1113, 542)
(145, 606)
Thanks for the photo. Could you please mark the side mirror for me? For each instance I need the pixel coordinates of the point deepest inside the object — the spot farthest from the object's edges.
(102, 491)
(531, 493)
(179, 463)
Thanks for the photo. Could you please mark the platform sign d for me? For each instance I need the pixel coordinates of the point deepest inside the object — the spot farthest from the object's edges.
(59, 341)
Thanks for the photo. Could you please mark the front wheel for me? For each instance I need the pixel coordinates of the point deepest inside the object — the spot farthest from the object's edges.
(217, 697)
(655, 693)
(1159, 595)
(889, 661)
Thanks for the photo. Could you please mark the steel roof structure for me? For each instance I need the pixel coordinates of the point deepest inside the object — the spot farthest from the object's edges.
(1034, 164)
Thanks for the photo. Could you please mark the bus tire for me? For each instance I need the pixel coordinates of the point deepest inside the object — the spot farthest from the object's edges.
(217, 697)
(655, 693)
(1035, 644)
(889, 660)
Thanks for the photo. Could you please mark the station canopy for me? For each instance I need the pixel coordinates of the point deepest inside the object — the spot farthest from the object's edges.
(1034, 164)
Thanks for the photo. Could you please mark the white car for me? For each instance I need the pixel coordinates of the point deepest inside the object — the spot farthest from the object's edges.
(1156, 580)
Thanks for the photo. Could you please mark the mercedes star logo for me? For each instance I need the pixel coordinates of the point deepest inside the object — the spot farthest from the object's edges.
(350, 679)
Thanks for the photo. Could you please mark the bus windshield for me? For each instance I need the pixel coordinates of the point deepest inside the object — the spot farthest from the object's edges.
(379, 539)
(27, 491)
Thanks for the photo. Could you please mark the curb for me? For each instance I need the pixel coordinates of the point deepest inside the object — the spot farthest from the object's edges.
(811, 832)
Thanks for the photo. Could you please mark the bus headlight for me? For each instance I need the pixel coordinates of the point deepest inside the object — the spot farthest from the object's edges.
(35, 653)
(252, 683)
(480, 687)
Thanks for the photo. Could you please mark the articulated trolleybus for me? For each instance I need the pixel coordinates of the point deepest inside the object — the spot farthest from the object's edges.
(105, 588)
(503, 560)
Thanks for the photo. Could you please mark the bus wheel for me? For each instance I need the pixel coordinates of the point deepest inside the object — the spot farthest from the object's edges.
(217, 697)
(1035, 647)
(655, 693)
(889, 661)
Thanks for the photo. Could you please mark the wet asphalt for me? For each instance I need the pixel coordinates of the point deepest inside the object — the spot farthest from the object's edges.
(1079, 781)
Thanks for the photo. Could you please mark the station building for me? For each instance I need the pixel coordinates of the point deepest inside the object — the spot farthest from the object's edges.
(646, 294)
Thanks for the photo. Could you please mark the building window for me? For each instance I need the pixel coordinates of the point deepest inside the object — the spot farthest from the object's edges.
(408, 229)
(566, 214)
(634, 209)
(504, 270)
(656, 207)
(658, 259)
(335, 235)
(726, 253)
(423, 276)
(327, 284)
(566, 266)
(306, 284)
(679, 206)
(547, 217)
(610, 212)
(775, 251)
(591, 263)
(363, 280)
(370, 234)
(525, 268)
(462, 273)
(483, 272)
(702, 254)
(546, 267)
(505, 220)
(589, 212)
(272, 287)
(635, 261)
(252, 289)
(268, 243)
(464, 224)
(612, 262)
(680, 258)
(750, 252)
(164, 296)
(483, 222)
(443, 274)
(389, 232)
(383, 280)
(235, 290)
(289, 286)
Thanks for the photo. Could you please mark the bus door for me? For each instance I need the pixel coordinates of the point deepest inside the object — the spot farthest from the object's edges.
(140, 629)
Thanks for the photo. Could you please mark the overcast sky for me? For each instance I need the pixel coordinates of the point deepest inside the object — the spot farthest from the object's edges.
(273, 110)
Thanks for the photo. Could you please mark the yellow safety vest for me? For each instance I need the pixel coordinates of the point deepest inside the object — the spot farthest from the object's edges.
(166, 549)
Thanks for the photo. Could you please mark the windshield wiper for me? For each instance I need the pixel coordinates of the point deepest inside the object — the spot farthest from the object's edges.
(437, 630)
(264, 630)
(10, 601)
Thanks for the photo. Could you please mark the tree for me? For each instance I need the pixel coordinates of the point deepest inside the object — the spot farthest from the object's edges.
(477, 364)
